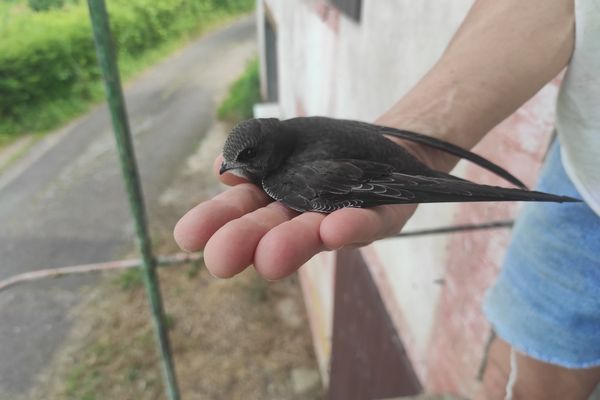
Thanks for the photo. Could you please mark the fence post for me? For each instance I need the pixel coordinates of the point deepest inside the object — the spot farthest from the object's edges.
(108, 64)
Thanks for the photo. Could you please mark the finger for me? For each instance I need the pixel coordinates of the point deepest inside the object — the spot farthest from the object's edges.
(226, 178)
(231, 249)
(289, 245)
(360, 226)
(195, 228)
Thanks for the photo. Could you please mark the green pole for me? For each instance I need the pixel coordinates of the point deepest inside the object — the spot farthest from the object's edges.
(108, 64)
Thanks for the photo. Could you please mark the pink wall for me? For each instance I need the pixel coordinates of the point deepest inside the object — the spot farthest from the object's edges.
(456, 339)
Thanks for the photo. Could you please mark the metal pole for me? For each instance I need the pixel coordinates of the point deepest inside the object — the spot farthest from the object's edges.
(164, 261)
(454, 229)
(108, 64)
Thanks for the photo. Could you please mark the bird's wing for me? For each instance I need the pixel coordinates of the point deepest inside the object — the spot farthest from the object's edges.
(447, 147)
(327, 185)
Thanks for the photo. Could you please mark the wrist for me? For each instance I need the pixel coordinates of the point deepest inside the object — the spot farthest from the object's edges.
(433, 158)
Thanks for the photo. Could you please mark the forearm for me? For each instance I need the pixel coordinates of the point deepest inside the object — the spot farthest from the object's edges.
(503, 53)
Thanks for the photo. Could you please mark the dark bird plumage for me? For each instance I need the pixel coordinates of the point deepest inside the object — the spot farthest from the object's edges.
(324, 164)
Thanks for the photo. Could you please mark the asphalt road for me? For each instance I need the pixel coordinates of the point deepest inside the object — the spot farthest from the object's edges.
(64, 203)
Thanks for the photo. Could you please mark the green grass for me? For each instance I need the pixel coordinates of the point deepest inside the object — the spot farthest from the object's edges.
(170, 321)
(44, 114)
(243, 94)
(84, 380)
(7, 159)
(129, 279)
(103, 357)
(43, 117)
(39, 118)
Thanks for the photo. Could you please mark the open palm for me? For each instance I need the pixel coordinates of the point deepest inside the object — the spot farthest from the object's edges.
(243, 226)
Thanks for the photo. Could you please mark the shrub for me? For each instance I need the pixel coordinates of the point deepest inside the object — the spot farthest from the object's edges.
(45, 5)
(53, 58)
(49, 56)
(243, 94)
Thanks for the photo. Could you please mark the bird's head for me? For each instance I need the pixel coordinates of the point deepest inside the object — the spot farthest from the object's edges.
(255, 147)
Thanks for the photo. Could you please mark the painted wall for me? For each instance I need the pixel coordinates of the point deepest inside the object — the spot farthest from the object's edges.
(432, 286)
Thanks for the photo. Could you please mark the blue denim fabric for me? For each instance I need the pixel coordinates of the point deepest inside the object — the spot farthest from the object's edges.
(546, 301)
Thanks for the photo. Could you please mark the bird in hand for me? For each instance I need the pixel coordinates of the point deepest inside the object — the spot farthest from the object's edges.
(324, 164)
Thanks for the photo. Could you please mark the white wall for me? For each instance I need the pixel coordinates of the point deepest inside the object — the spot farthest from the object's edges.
(331, 65)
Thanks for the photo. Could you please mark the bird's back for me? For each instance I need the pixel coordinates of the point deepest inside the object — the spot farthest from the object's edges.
(321, 138)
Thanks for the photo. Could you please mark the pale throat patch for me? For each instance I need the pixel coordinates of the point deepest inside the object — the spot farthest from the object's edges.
(239, 173)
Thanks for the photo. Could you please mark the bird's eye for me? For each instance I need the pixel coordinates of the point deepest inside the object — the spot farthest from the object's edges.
(246, 154)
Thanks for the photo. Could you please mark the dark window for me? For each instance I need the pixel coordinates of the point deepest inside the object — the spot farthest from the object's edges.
(368, 359)
(271, 60)
(349, 7)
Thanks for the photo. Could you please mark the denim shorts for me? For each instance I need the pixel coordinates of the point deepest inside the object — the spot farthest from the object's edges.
(546, 301)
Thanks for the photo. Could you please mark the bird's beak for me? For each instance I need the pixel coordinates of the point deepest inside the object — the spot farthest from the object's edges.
(225, 166)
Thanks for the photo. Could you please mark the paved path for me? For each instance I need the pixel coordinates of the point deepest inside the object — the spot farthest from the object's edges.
(64, 203)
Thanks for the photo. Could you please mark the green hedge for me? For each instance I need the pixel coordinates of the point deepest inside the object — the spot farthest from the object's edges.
(243, 94)
(49, 56)
(43, 5)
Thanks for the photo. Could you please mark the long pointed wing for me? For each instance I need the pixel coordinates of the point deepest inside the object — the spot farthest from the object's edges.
(327, 185)
(448, 148)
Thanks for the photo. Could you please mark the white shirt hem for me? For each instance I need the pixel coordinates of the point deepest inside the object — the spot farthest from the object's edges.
(592, 202)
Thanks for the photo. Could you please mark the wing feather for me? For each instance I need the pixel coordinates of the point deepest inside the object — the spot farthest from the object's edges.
(327, 185)
(444, 146)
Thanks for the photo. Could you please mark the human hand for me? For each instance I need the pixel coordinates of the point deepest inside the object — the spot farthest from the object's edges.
(243, 226)
(459, 100)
